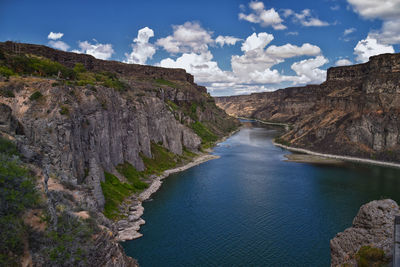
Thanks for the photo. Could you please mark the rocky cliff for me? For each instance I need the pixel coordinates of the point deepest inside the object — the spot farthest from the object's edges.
(354, 112)
(369, 242)
(84, 118)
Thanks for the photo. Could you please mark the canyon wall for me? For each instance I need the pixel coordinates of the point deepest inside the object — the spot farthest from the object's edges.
(77, 129)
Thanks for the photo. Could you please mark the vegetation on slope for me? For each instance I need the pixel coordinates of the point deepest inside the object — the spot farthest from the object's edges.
(68, 243)
(116, 191)
(17, 193)
(14, 64)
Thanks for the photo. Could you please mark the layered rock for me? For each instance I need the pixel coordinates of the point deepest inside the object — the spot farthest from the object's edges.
(373, 226)
(355, 112)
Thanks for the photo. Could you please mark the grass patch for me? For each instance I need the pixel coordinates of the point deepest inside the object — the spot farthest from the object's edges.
(161, 81)
(35, 96)
(162, 160)
(207, 137)
(114, 193)
(370, 256)
(172, 105)
(132, 175)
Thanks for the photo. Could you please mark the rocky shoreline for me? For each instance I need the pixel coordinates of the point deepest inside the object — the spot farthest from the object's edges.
(128, 229)
(338, 157)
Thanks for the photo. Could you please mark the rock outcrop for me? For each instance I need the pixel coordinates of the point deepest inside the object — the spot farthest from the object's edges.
(373, 226)
(355, 112)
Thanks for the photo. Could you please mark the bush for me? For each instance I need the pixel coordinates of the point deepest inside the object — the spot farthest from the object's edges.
(79, 68)
(35, 96)
(6, 92)
(370, 256)
(6, 72)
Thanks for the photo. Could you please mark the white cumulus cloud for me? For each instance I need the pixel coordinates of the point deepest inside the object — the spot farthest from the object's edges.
(227, 40)
(308, 70)
(142, 50)
(187, 38)
(386, 10)
(349, 31)
(262, 16)
(55, 35)
(100, 51)
(370, 47)
(305, 18)
(343, 62)
(201, 66)
(59, 45)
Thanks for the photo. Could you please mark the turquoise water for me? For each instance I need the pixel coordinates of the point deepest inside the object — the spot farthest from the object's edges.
(251, 208)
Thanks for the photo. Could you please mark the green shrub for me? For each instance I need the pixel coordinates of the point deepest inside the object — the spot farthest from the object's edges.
(6, 72)
(5, 92)
(35, 96)
(64, 110)
(370, 256)
(79, 67)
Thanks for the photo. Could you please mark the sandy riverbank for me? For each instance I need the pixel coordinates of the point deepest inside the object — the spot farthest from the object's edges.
(312, 159)
(338, 157)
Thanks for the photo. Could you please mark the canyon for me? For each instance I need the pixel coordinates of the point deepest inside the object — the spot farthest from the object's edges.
(355, 112)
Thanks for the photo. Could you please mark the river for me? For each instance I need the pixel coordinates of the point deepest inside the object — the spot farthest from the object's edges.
(252, 208)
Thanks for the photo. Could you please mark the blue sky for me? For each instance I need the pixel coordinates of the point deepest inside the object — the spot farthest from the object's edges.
(232, 47)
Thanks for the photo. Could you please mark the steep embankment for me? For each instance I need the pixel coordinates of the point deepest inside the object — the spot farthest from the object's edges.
(101, 129)
(355, 112)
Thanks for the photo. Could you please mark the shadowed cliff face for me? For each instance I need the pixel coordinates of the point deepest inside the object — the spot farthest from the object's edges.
(355, 112)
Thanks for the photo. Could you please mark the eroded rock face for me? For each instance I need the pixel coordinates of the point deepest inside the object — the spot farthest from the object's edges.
(98, 131)
(355, 112)
(373, 226)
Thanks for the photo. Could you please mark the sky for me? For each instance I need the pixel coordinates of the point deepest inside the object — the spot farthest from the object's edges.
(230, 46)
